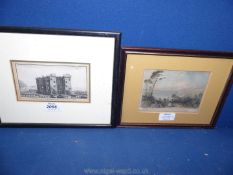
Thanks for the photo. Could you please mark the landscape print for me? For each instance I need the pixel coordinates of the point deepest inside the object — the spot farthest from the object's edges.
(50, 81)
(173, 91)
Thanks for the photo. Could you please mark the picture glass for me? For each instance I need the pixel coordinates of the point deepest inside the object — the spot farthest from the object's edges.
(173, 91)
(51, 81)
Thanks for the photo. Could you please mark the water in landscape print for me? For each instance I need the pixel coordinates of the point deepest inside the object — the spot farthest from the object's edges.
(173, 91)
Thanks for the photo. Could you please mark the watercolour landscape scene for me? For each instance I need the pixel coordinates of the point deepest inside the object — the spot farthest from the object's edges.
(173, 91)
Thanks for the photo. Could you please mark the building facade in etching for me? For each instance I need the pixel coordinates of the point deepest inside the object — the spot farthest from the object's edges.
(54, 85)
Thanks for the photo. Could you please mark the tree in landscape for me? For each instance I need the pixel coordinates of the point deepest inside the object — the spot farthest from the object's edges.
(154, 78)
(150, 83)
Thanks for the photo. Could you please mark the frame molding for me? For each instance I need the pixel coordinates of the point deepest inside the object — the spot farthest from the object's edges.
(172, 52)
(74, 32)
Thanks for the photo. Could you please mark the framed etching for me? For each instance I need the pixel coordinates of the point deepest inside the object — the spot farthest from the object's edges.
(57, 77)
(165, 87)
(48, 81)
(173, 91)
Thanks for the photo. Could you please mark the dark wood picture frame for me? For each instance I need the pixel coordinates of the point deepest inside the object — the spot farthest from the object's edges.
(73, 32)
(172, 52)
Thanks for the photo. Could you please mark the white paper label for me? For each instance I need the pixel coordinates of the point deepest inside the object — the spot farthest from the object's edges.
(52, 107)
(167, 116)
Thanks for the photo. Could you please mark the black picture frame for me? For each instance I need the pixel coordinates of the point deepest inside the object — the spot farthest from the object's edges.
(73, 32)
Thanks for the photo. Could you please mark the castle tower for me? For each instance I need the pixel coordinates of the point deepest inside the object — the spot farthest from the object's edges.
(53, 84)
(67, 83)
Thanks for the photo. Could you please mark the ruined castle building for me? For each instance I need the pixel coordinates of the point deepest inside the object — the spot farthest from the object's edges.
(67, 83)
(53, 85)
(40, 85)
